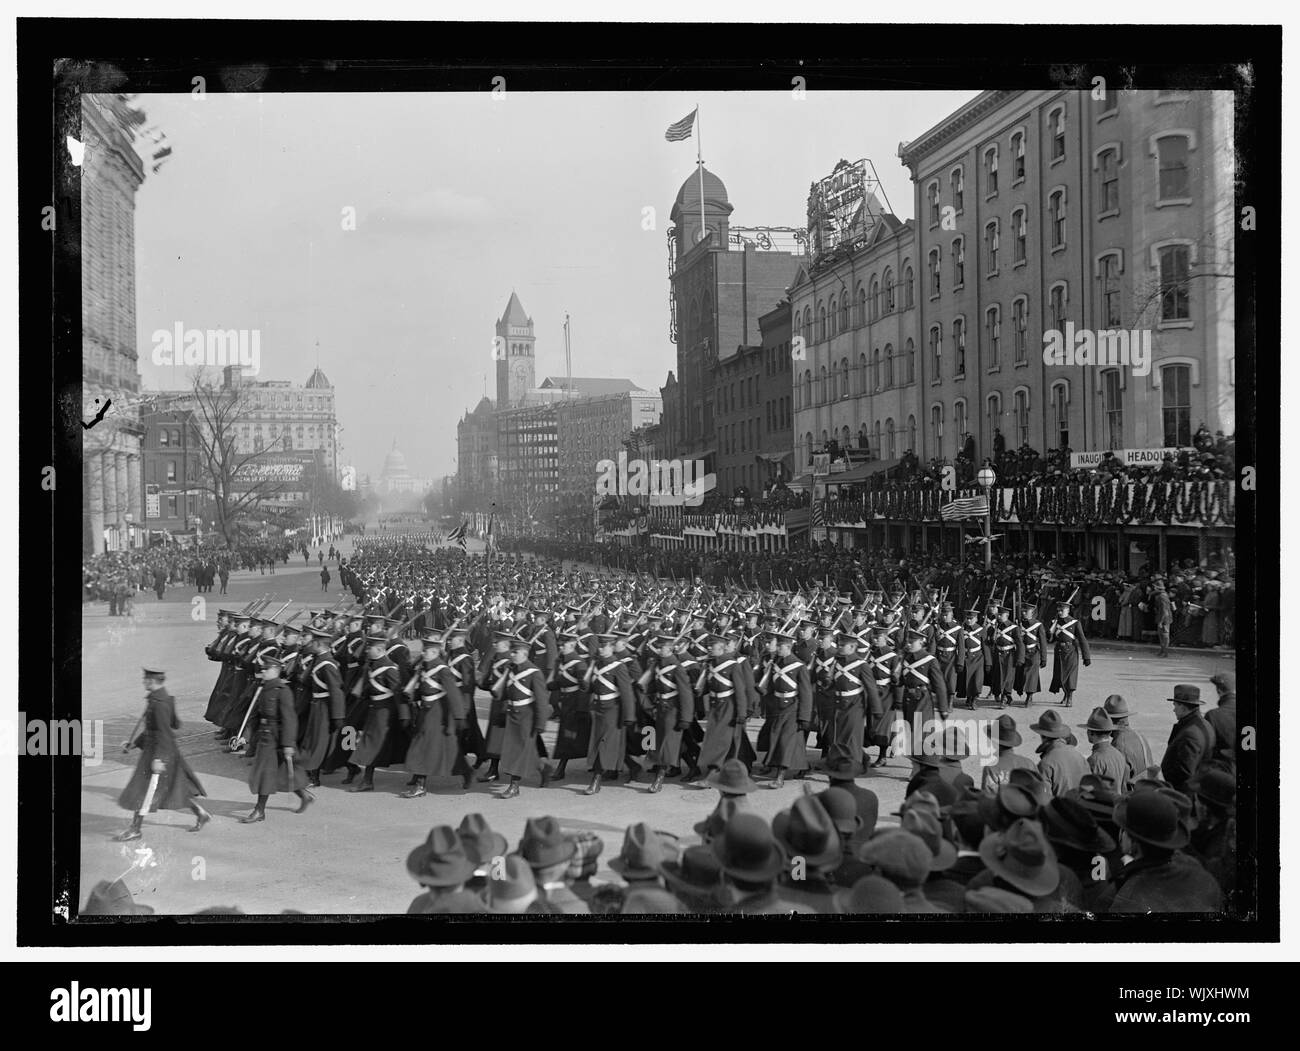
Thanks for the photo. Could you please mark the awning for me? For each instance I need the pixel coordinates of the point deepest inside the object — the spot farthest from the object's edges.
(861, 472)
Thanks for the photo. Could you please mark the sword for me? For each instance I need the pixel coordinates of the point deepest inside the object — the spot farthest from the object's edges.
(156, 769)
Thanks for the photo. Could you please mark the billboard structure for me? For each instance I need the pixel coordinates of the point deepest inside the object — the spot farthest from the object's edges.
(843, 209)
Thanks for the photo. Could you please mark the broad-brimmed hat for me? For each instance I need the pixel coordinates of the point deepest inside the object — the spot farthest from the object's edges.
(1151, 817)
(1022, 857)
(870, 894)
(1068, 823)
(113, 899)
(805, 831)
(1097, 796)
(747, 851)
(644, 852)
(1116, 707)
(543, 844)
(841, 808)
(1008, 735)
(1215, 786)
(1184, 694)
(902, 857)
(480, 842)
(924, 823)
(1050, 724)
(843, 768)
(733, 778)
(1007, 805)
(949, 749)
(440, 861)
(1099, 722)
(696, 874)
(511, 888)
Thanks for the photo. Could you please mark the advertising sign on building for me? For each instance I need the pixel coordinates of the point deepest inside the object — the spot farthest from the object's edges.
(838, 208)
(821, 464)
(152, 502)
(1127, 457)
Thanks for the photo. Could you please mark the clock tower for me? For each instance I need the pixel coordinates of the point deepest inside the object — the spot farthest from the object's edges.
(514, 349)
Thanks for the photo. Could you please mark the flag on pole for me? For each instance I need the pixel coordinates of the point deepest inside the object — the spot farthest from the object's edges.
(458, 535)
(682, 129)
(964, 507)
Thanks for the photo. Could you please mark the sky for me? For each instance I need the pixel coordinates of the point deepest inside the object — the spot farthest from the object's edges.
(456, 200)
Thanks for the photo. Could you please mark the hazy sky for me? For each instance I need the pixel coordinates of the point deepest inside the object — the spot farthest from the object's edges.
(459, 199)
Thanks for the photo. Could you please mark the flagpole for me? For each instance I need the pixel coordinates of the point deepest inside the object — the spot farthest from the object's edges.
(699, 166)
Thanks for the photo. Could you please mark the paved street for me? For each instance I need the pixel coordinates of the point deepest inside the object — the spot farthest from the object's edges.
(347, 853)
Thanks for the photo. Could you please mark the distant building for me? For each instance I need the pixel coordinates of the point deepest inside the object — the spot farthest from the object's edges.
(594, 427)
(174, 495)
(476, 457)
(396, 479)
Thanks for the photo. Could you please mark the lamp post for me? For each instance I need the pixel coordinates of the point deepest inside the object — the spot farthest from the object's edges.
(986, 477)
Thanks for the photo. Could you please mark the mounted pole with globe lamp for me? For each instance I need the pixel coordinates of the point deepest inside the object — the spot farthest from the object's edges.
(986, 478)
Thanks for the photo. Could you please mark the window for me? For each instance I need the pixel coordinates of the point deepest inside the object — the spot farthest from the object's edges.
(936, 428)
(993, 408)
(807, 389)
(958, 182)
(1021, 417)
(1174, 183)
(889, 365)
(1059, 302)
(1056, 211)
(932, 195)
(1111, 308)
(1112, 407)
(909, 362)
(890, 450)
(1056, 128)
(863, 386)
(844, 373)
(877, 442)
(959, 346)
(958, 263)
(911, 433)
(1018, 156)
(173, 511)
(171, 470)
(807, 325)
(164, 436)
(1061, 407)
(875, 299)
(960, 425)
(934, 272)
(875, 369)
(907, 288)
(889, 291)
(844, 312)
(832, 316)
(1020, 230)
(862, 305)
(1020, 327)
(1174, 287)
(991, 245)
(1108, 162)
(936, 351)
(1176, 404)
(993, 325)
(821, 322)
(991, 171)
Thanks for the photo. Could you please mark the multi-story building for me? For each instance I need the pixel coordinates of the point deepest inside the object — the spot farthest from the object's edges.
(476, 457)
(776, 396)
(1046, 209)
(722, 278)
(111, 173)
(175, 495)
(594, 427)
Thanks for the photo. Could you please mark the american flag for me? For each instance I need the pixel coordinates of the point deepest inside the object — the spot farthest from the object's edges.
(964, 507)
(458, 535)
(682, 129)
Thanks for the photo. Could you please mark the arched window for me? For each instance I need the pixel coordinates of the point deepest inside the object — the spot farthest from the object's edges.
(1019, 230)
(807, 325)
(834, 382)
(1059, 300)
(808, 447)
(844, 377)
(821, 387)
(863, 387)
(911, 434)
(908, 294)
(1176, 404)
(1020, 328)
(993, 331)
(936, 352)
(832, 317)
(936, 268)
(932, 196)
(993, 408)
(960, 424)
(889, 291)
(846, 436)
(1112, 408)
(875, 369)
(958, 262)
(991, 171)
(864, 442)
(1021, 410)
(1061, 412)
(808, 389)
(889, 365)
(991, 243)
(958, 181)
(875, 299)
(909, 361)
(936, 429)
(844, 312)
(1056, 132)
(890, 449)
(821, 322)
(959, 346)
(860, 309)
(879, 446)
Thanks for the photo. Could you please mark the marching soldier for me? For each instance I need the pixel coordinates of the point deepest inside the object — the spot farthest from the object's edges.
(570, 700)
(1003, 643)
(921, 681)
(945, 644)
(855, 696)
(277, 732)
(436, 715)
(821, 672)
(379, 696)
(626, 655)
(325, 708)
(542, 650)
(527, 712)
(162, 778)
(972, 659)
(883, 667)
(1033, 645)
(724, 683)
(613, 708)
(494, 665)
(791, 712)
(462, 661)
(673, 707)
(1070, 645)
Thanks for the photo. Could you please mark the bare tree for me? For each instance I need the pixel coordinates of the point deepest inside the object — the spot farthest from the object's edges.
(227, 474)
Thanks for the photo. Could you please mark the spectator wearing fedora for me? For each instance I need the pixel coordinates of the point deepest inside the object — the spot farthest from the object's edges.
(751, 860)
(1060, 763)
(1105, 760)
(1099, 798)
(939, 759)
(812, 843)
(1128, 741)
(904, 859)
(1162, 877)
(511, 888)
(999, 773)
(842, 809)
(442, 867)
(1078, 841)
(639, 865)
(482, 846)
(967, 829)
(1022, 861)
(695, 880)
(1191, 741)
(842, 773)
(1223, 721)
(548, 852)
(1214, 840)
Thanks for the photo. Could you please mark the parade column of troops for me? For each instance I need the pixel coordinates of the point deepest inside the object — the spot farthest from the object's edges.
(642, 675)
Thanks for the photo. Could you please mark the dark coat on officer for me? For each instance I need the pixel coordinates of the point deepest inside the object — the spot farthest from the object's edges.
(1069, 645)
(970, 677)
(527, 710)
(945, 644)
(435, 711)
(569, 700)
(1033, 647)
(724, 683)
(376, 746)
(856, 696)
(672, 705)
(1223, 721)
(325, 709)
(177, 784)
(1191, 745)
(921, 682)
(613, 708)
(463, 663)
(216, 651)
(791, 713)
(277, 729)
(1006, 651)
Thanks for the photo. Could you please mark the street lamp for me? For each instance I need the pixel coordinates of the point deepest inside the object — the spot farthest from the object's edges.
(986, 477)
